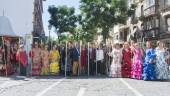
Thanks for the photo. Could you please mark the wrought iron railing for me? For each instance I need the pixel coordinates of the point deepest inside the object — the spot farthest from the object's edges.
(151, 10)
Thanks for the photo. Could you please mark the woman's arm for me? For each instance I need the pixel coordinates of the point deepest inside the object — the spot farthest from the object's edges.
(167, 55)
(142, 52)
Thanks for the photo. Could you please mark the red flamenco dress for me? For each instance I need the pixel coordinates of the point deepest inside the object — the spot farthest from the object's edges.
(21, 57)
(126, 60)
(83, 60)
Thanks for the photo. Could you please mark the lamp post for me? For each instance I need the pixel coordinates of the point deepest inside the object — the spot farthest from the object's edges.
(49, 28)
(42, 37)
(59, 37)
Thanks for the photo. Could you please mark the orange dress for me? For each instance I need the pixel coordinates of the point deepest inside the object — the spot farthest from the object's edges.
(45, 62)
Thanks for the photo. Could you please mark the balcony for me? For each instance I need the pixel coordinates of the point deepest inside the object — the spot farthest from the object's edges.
(151, 28)
(151, 35)
(150, 11)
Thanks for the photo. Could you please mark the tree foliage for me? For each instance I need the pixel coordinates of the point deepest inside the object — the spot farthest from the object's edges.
(63, 18)
(104, 14)
(131, 10)
(95, 14)
(86, 35)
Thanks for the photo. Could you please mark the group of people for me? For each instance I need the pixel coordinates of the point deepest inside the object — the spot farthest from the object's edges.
(126, 61)
(8, 60)
(137, 63)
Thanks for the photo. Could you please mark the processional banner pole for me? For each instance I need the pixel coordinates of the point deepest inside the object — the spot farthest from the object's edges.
(79, 65)
(88, 60)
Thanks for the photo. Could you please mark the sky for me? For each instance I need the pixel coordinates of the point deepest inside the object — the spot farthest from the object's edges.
(46, 15)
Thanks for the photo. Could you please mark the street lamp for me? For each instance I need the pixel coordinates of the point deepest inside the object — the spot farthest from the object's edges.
(59, 35)
(49, 28)
(42, 36)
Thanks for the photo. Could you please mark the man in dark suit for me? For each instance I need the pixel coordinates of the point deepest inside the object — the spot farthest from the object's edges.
(92, 58)
(75, 59)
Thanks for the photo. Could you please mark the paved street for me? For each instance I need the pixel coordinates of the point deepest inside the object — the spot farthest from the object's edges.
(94, 86)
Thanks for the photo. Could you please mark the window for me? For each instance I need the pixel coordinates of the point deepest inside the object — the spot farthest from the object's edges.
(151, 2)
(166, 2)
(152, 23)
(149, 7)
(117, 37)
(157, 22)
(146, 4)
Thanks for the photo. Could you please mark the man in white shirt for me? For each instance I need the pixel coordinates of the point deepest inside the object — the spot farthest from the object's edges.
(99, 59)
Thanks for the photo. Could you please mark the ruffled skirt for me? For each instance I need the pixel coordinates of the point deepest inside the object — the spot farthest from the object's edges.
(45, 70)
(54, 68)
(115, 70)
(149, 72)
(162, 71)
(36, 69)
(126, 70)
(136, 70)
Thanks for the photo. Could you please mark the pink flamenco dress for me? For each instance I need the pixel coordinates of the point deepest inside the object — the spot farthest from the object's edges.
(136, 71)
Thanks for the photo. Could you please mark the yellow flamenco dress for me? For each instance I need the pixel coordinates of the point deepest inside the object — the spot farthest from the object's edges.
(54, 65)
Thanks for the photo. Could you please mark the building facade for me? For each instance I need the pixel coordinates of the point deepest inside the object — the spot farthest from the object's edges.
(150, 21)
(165, 21)
(133, 28)
(157, 20)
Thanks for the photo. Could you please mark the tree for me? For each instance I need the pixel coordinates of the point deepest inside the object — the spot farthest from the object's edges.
(63, 38)
(63, 18)
(104, 14)
(86, 35)
(131, 10)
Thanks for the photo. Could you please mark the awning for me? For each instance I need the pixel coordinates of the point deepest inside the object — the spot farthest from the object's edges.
(6, 28)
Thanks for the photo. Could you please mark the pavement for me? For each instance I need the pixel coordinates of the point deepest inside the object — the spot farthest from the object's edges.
(81, 86)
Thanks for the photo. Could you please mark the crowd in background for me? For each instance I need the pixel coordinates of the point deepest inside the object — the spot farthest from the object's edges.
(116, 60)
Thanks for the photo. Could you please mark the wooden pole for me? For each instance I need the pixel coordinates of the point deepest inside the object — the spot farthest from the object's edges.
(31, 58)
(28, 61)
(19, 58)
(79, 65)
(109, 50)
(96, 61)
(66, 60)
